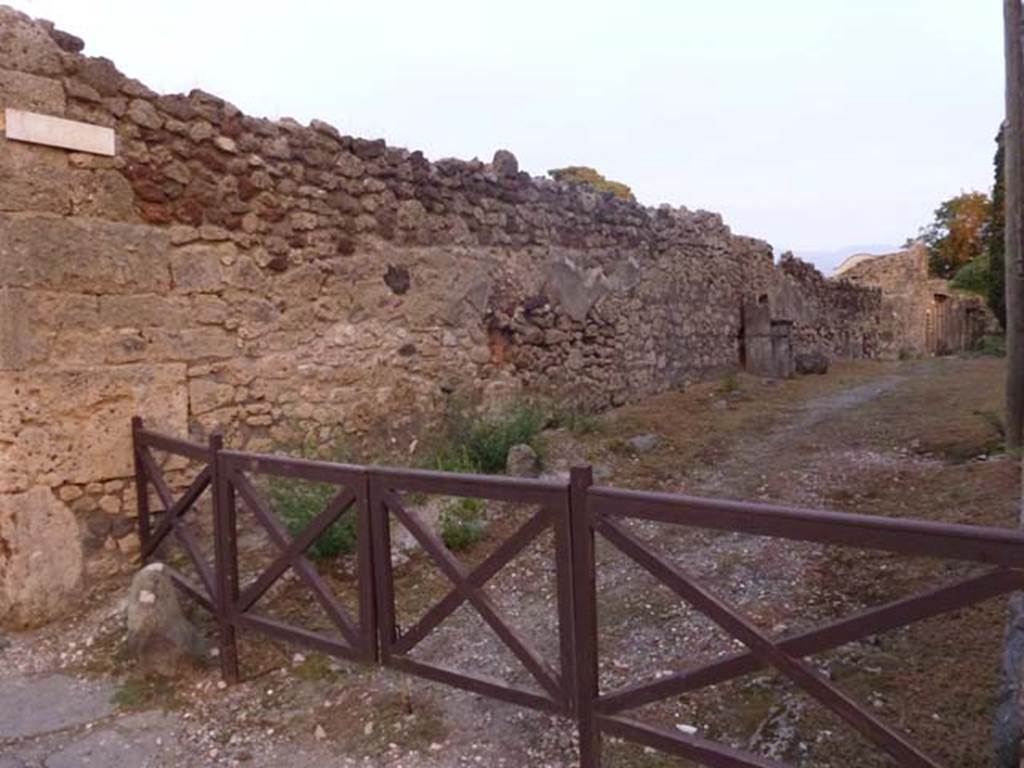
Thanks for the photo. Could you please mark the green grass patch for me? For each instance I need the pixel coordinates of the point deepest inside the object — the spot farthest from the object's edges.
(137, 693)
(993, 345)
(578, 420)
(314, 667)
(462, 524)
(730, 383)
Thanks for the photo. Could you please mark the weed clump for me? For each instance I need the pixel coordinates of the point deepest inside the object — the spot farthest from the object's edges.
(993, 346)
(481, 445)
(577, 420)
(298, 502)
(730, 384)
(462, 524)
(137, 693)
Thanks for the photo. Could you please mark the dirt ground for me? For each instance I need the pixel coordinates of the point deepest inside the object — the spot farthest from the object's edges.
(909, 439)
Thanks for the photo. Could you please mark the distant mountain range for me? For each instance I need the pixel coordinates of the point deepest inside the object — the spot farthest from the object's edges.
(826, 261)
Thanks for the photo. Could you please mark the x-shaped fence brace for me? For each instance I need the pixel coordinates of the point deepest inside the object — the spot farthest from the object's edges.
(291, 555)
(468, 588)
(785, 656)
(173, 521)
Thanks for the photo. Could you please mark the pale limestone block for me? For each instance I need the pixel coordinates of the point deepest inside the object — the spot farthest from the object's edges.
(41, 562)
(86, 430)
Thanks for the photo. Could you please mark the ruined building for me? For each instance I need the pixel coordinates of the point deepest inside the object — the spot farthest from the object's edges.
(930, 317)
(169, 256)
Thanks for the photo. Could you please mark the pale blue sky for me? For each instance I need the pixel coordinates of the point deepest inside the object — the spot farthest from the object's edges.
(814, 124)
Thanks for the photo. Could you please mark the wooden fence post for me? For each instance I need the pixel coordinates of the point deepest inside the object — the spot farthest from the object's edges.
(141, 489)
(584, 585)
(225, 560)
(383, 578)
(366, 531)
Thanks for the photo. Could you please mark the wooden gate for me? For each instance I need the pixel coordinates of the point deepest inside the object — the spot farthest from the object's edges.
(577, 513)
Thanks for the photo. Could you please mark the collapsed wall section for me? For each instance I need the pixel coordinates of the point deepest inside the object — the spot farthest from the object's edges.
(225, 271)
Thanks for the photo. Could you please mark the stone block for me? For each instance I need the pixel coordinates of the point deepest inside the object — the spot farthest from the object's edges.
(31, 323)
(19, 90)
(40, 558)
(34, 179)
(190, 344)
(160, 640)
(103, 194)
(19, 345)
(82, 255)
(199, 268)
(73, 426)
(144, 311)
(206, 395)
(26, 46)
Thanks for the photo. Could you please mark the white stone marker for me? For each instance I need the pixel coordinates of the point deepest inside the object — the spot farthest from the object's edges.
(58, 132)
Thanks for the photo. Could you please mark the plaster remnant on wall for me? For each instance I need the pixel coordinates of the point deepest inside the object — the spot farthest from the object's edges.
(576, 289)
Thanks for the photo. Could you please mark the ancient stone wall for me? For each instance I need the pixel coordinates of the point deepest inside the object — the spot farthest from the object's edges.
(921, 315)
(224, 271)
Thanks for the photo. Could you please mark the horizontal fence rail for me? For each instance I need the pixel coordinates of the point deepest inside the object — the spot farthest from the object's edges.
(577, 514)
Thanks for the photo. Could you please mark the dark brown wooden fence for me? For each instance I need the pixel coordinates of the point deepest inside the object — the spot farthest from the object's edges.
(577, 513)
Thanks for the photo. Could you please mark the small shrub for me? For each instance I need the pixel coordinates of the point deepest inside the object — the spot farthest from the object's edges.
(994, 419)
(462, 524)
(487, 442)
(481, 445)
(581, 174)
(298, 502)
(993, 346)
(730, 383)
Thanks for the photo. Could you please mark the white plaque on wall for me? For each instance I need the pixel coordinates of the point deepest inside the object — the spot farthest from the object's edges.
(58, 132)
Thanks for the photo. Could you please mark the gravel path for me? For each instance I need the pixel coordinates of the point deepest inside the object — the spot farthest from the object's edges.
(58, 687)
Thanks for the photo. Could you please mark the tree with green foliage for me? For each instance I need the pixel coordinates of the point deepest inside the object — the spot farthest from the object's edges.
(975, 276)
(580, 174)
(985, 273)
(959, 233)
